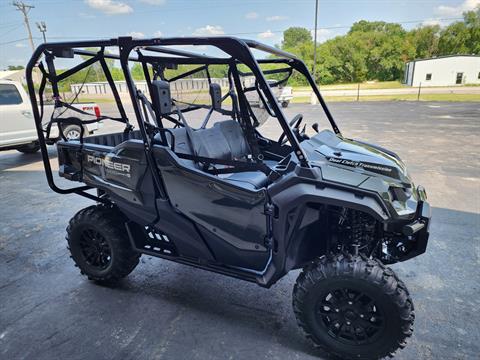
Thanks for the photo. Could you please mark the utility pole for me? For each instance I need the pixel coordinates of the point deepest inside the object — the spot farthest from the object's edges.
(24, 8)
(315, 42)
(42, 27)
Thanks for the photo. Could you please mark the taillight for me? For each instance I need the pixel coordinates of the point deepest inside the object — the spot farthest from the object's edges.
(97, 111)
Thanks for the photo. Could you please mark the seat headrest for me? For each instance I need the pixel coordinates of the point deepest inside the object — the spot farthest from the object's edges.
(216, 95)
(161, 98)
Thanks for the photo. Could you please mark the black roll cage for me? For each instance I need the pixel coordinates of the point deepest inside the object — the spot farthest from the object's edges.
(239, 51)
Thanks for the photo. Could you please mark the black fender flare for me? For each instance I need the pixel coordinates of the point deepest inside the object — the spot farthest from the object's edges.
(296, 210)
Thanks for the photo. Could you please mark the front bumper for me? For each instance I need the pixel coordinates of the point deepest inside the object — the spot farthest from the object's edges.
(416, 233)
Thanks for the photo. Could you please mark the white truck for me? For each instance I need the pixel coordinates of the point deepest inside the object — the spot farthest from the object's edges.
(17, 129)
(283, 94)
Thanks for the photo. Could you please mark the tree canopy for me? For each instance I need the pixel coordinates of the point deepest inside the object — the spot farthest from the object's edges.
(377, 50)
(371, 50)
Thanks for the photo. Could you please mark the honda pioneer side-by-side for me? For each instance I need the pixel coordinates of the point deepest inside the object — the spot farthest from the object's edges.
(197, 174)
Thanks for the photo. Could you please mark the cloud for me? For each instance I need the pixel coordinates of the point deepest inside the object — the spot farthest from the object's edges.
(322, 35)
(158, 34)
(136, 34)
(266, 34)
(110, 7)
(431, 22)
(276, 18)
(154, 2)
(209, 30)
(20, 45)
(455, 11)
(251, 15)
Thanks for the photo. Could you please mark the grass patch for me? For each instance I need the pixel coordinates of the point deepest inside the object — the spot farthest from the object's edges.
(409, 97)
(98, 100)
(404, 97)
(353, 86)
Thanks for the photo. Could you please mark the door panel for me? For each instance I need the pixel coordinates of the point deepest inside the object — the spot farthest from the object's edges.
(16, 121)
(231, 213)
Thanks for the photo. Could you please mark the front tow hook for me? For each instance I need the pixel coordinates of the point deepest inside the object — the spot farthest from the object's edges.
(412, 228)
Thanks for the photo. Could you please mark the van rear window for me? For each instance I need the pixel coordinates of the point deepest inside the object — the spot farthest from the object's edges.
(9, 95)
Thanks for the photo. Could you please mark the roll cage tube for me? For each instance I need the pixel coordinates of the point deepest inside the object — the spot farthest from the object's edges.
(238, 50)
(300, 66)
(81, 190)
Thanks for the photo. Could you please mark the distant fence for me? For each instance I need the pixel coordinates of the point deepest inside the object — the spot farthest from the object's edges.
(181, 85)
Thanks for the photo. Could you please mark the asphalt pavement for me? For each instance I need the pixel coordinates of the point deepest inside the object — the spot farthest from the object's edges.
(165, 310)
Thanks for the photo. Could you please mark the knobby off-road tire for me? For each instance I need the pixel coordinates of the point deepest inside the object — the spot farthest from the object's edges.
(99, 244)
(353, 307)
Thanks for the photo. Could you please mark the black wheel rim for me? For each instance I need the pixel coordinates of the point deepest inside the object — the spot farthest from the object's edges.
(95, 249)
(349, 316)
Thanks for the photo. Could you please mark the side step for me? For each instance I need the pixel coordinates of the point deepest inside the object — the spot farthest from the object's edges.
(152, 242)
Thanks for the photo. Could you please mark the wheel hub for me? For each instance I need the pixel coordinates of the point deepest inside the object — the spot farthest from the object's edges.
(95, 249)
(350, 316)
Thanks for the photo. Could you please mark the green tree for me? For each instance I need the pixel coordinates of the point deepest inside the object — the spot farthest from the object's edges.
(377, 27)
(295, 36)
(137, 72)
(454, 39)
(472, 22)
(15, 67)
(424, 40)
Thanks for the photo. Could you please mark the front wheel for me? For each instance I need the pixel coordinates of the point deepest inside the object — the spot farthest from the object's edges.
(353, 307)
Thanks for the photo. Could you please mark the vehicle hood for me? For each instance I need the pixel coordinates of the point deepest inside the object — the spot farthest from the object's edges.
(330, 149)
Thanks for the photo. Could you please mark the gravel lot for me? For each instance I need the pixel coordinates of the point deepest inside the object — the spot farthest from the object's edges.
(168, 311)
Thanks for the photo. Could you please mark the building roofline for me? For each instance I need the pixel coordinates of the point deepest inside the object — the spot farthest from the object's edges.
(446, 56)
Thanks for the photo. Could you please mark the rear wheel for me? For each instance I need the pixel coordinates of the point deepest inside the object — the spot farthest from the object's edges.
(29, 149)
(99, 245)
(353, 307)
(72, 132)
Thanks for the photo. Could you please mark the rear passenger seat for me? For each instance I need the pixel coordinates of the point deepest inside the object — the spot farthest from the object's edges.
(225, 140)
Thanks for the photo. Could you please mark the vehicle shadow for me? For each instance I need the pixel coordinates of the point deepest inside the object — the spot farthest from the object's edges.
(228, 302)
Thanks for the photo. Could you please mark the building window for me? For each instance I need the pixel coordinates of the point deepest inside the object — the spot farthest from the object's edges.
(428, 77)
(459, 79)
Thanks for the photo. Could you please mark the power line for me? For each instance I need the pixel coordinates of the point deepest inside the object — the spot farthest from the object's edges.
(14, 41)
(232, 34)
(25, 9)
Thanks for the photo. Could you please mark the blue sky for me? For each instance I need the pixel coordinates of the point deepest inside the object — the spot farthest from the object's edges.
(263, 20)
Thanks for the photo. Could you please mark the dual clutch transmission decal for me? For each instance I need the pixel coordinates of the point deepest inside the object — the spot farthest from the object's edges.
(376, 168)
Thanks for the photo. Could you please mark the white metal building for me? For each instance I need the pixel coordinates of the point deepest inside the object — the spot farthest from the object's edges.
(443, 71)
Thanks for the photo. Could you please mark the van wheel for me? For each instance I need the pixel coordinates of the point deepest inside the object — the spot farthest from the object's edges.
(99, 245)
(72, 132)
(29, 149)
(353, 307)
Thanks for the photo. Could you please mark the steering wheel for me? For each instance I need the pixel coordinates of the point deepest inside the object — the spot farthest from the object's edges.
(294, 125)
